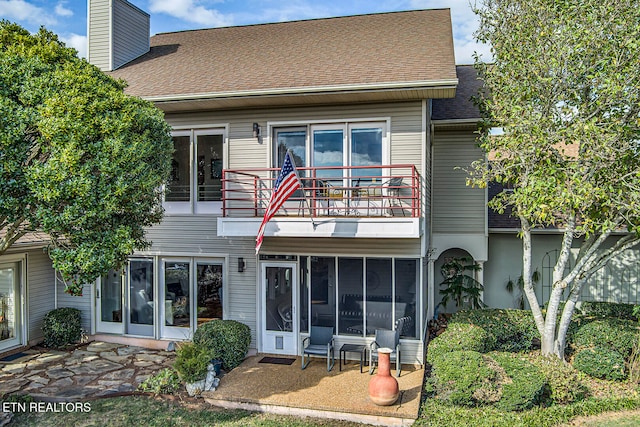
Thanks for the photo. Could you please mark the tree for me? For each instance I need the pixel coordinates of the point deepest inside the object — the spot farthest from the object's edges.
(79, 159)
(564, 86)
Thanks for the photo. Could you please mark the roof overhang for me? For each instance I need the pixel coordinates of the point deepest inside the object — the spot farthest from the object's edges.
(342, 94)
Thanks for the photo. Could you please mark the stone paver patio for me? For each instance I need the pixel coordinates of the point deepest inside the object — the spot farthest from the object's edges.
(97, 369)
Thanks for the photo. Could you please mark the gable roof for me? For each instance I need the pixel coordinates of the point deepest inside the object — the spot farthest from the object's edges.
(401, 52)
(461, 107)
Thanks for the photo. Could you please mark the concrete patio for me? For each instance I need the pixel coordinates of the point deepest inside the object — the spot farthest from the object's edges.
(286, 389)
(101, 369)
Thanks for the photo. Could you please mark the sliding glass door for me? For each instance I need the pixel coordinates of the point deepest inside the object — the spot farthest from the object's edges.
(11, 324)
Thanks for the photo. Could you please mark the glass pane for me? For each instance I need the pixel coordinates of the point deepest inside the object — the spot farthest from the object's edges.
(177, 295)
(304, 295)
(366, 150)
(141, 288)
(328, 151)
(350, 319)
(407, 275)
(178, 188)
(379, 296)
(323, 281)
(209, 292)
(111, 297)
(209, 152)
(279, 298)
(9, 306)
(294, 140)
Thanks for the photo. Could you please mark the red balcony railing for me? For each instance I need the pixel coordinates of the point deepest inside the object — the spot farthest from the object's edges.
(356, 191)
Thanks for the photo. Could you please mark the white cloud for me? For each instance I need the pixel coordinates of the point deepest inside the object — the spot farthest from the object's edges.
(76, 41)
(20, 10)
(464, 23)
(63, 11)
(191, 11)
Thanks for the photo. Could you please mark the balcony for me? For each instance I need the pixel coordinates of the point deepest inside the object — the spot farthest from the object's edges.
(357, 201)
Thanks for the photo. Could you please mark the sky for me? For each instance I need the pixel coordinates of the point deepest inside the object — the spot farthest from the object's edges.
(68, 18)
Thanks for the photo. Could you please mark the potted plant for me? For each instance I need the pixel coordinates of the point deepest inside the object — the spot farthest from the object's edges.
(191, 364)
(459, 286)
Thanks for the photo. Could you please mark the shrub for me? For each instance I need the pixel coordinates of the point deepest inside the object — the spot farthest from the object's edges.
(609, 309)
(601, 362)
(191, 362)
(62, 327)
(514, 330)
(618, 334)
(527, 384)
(460, 336)
(462, 378)
(563, 382)
(166, 381)
(226, 340)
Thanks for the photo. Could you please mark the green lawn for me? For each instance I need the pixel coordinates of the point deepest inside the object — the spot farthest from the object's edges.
(138, 411)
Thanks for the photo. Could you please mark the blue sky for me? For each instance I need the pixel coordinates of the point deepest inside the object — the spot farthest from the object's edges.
(68, 18)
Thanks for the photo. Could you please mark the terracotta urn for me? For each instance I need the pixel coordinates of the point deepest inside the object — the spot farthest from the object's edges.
(383, 388)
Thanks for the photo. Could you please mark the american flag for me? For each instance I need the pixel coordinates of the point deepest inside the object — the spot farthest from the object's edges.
(286, 184)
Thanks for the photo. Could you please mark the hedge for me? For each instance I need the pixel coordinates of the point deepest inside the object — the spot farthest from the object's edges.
(514, 330)
(527, 385)
(601, 362)
(460, 337)
(61, 327)
(463, 378)
(618, 334)
(227, 340)
(608, 309)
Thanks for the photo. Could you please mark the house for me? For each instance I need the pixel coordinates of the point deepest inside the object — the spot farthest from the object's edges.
(379, 122)
(352, 99)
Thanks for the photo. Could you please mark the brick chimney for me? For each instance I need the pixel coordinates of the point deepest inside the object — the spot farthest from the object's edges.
(117, 33)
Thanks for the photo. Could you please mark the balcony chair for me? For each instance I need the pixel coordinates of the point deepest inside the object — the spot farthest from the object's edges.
(391, 192)
(320, 343)
(388, 339)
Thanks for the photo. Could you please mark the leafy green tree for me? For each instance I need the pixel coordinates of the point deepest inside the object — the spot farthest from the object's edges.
(80, 160)
(564, 86)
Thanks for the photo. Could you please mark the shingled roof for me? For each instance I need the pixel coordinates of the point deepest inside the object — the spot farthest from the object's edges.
(411, 49)
(460, 107)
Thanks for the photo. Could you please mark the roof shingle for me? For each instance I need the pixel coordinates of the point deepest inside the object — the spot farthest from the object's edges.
(413, 46)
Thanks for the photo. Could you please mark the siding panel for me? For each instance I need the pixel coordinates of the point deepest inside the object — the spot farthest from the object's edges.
(457, 208)
(40, 292)
(130, 33)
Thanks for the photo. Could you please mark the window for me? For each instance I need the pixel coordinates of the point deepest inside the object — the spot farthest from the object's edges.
(339, 145)
(195, 182)
(372, 293)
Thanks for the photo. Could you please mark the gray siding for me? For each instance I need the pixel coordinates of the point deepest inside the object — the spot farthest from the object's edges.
(246, 152)
(456, 207)
(40, 292)
(130, 33)
(197, 234)
(118, 32)
(99, 29)
(82, 303)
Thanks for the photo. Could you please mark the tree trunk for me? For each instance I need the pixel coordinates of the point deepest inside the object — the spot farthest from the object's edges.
(527, 273)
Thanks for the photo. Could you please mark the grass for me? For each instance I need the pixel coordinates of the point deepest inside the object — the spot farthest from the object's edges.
(150, 412)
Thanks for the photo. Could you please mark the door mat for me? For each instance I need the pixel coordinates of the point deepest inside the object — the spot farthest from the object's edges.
(13, 357)
(277, 360)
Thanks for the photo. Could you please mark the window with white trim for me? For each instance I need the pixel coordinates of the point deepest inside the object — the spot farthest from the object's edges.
(195, 182)
(341, 144)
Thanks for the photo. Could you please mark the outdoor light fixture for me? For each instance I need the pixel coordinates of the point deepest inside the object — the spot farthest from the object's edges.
(240, 265)
(256, 130)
